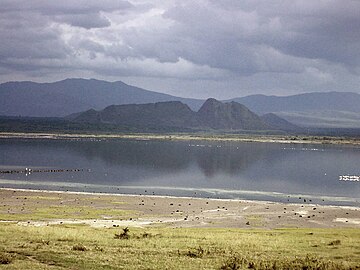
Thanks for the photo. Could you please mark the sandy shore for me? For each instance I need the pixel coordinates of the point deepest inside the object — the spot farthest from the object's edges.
(147, 210)
(284, 139)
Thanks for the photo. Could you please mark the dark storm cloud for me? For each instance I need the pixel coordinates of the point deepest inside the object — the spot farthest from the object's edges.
(87, 21)
(31, 31)
(244, 37)
(327, 30)
(263, 46)
(64, 6)
(25, 37)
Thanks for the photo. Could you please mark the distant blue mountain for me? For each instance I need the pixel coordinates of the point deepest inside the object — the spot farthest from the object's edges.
(335, 101)
(75, 95)
(326, 110)
(62, 98)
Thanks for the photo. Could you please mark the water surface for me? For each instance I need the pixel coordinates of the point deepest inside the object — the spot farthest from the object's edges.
(264, 171)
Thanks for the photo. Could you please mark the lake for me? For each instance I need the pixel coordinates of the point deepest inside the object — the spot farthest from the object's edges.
(300, 173)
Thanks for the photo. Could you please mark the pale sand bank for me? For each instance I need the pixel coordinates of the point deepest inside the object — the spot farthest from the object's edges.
(40, 208)
(283, 139)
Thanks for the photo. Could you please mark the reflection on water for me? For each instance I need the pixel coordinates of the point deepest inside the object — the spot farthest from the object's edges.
(174, 156)
(227, 170)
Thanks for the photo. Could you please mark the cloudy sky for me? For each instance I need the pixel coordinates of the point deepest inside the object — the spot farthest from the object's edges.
(201, 48)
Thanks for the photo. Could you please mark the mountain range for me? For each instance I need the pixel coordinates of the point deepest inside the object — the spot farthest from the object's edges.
(326, 110)
(338, 101)
(59, 99)
(69, 96)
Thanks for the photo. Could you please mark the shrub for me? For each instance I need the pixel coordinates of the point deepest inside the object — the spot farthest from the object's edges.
(197, 253)
(307, 263)
(335, 243)
(79, 247)
(124, 235)
(5, 258)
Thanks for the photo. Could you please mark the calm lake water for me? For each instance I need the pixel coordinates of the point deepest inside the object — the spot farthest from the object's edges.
(261, 171)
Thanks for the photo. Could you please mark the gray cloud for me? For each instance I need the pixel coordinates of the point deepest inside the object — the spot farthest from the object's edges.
(240, 36)
(87, 21)
(205, 47)
(25, 37)
(63, 7)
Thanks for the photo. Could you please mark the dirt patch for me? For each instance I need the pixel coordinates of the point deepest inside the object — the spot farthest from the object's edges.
(142, 211)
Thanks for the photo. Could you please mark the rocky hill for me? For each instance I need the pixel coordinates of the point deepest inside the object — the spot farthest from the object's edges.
(279, 123)
(169, 114)
(228, 116)
(213, 114)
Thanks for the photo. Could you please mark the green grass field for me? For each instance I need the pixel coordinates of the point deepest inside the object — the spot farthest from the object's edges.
(84, 247)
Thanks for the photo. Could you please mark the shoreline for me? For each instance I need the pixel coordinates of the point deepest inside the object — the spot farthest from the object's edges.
(282, 139)
(94, 193)
(42, 207)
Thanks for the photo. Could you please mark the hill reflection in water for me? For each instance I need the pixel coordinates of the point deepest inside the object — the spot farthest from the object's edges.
(264, 167)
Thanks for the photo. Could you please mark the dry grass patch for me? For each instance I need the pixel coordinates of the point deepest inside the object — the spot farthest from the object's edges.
(84, 247)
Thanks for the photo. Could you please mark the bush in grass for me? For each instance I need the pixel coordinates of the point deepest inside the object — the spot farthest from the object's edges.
(335, 243)
(197, 253)
(5, 258)
(308, 263)
(79, 247)
(124, 235)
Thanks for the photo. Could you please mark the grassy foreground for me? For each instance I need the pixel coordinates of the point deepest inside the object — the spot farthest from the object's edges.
(29, 239)
(84, 247)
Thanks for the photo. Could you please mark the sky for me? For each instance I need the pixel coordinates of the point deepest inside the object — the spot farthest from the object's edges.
(199, 49)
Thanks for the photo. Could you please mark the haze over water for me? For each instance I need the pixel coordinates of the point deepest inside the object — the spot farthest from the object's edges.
(263, 171)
